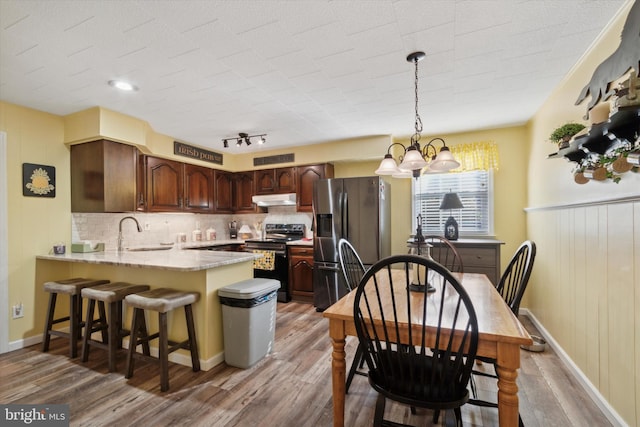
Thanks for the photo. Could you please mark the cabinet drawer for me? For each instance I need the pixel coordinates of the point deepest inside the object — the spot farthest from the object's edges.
(478, 257)
(300, 250)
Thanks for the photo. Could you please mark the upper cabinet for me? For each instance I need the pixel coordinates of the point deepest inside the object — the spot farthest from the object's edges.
(103, 177)
(108, 176)
(198, 188)
(223, 192)
(173, 186)
(274, 181)
(244, 189)
(307, 176)
(164, 184)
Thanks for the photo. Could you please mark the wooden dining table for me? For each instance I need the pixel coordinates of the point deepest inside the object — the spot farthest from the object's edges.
(500, 337)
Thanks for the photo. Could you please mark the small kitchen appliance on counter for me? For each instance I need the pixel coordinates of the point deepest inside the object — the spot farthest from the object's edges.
(233, 230)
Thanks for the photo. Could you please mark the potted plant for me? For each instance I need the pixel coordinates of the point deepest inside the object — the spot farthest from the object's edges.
(564, 133)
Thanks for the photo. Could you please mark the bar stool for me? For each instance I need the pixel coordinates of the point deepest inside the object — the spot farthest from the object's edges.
(112, 330)
(162, 300)
(71, 287)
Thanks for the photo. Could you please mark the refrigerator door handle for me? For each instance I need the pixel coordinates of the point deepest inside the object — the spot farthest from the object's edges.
(345, 215)
(327, 268)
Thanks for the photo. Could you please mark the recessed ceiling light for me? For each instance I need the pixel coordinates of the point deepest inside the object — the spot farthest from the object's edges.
(122, 85)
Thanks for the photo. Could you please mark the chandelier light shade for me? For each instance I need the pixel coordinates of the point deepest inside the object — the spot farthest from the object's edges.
(414, 157)
(246, 138)
(451, 201)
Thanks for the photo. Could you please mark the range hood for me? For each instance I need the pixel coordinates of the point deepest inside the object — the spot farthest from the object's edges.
(275, 200)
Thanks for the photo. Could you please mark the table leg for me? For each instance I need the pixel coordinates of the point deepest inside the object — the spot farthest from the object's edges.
(338, 370)
(508, 362)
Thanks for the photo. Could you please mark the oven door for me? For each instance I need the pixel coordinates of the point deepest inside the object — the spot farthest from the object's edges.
(280, 272)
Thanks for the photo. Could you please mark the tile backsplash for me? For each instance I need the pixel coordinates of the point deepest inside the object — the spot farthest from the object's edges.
(165, 227)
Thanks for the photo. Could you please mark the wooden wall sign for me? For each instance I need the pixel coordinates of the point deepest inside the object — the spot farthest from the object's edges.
(192, 152)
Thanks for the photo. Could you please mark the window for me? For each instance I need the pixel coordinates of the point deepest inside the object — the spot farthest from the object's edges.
(475, 190)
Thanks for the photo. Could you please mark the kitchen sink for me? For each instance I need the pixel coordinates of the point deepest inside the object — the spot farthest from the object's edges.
(149, 248)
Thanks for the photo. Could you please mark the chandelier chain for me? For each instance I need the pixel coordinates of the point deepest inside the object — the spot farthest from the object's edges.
(418, 123)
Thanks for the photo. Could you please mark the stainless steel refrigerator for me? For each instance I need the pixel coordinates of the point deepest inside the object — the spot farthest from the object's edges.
(357, 209)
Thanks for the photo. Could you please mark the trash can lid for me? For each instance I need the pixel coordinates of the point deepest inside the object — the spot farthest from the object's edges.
(249, 288)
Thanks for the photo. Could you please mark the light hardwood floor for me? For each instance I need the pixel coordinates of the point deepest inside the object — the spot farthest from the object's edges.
(289, 387)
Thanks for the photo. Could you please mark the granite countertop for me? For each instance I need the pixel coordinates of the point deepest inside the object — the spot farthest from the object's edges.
(171, 259)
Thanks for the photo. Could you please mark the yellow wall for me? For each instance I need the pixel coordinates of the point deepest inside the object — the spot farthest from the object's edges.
(585, 286)
(34, 223)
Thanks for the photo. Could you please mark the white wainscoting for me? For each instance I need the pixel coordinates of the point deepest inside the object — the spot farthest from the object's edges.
(585, 292)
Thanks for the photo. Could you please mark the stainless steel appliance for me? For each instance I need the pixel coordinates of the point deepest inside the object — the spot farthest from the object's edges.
(357, 209)
(275, 240)
(233, 230)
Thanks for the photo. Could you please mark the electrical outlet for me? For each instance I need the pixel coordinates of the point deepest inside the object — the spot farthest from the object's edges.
(147, 226)
(18, 311)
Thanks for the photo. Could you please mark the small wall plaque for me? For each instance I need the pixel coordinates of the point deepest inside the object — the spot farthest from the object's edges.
(190, 151)
(271, 160)
(38, 180)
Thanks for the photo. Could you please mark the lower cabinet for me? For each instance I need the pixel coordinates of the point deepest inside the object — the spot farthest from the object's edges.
(480, 256)
(301, 273)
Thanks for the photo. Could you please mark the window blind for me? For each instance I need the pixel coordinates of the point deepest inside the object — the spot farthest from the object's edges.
(475, 190)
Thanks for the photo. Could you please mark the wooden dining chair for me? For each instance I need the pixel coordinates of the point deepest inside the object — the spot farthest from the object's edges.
(352, 269)
(428, 367)
(511, 287)
(444, 252)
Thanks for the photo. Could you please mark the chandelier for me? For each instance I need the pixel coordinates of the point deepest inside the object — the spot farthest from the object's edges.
(246, 138)
(414, 158)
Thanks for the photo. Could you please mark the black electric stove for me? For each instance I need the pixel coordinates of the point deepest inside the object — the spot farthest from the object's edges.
(275, 239)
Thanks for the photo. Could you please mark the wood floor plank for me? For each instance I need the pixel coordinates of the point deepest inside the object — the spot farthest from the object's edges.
(289, 387)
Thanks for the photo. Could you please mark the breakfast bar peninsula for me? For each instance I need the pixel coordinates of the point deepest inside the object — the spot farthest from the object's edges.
(186, 270)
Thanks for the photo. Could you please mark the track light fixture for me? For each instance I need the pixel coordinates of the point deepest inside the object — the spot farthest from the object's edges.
(246, 138)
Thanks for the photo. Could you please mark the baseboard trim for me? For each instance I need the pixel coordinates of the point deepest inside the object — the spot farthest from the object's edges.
(582, 379)
(180, 359)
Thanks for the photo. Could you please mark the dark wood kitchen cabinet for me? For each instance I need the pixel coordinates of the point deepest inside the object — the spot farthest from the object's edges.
(301, 273)
(173, 186)
(198, 189)
(274, 181)
(164, 185)
(103, 177)
(222, 191)
(244, 187)
(307, 175)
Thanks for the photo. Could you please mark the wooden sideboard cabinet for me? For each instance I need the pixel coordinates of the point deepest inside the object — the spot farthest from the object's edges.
(301, 273)
(479, 256)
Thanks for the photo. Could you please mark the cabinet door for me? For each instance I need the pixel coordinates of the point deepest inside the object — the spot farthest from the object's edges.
(285, 180)
(103, 177)
(301, 274)
(223, 191)
(307, 175)
(198, 188)
(164, 185)
(243, 191)
(265, 181)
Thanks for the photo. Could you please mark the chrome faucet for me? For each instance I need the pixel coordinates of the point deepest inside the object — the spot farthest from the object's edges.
(120, 230)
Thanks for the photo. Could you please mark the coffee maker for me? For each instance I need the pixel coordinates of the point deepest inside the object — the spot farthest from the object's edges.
(233, 230)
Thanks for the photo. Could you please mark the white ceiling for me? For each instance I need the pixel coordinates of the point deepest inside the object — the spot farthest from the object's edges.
(302, 72)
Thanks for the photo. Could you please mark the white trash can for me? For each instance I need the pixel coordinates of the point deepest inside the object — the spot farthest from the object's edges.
(248, 320)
